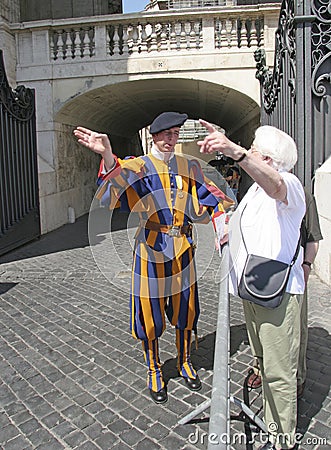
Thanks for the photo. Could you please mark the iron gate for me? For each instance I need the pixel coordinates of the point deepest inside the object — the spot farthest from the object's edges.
(19, 199)
(295, 96)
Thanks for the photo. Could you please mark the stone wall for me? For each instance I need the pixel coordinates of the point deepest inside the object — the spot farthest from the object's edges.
(9, 13)
(322, 187)
(71, 183)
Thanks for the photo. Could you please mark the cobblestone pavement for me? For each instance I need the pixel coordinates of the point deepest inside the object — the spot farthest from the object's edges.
(72, 377)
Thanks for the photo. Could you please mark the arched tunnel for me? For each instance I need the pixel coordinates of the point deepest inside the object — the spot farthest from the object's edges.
(122, 109)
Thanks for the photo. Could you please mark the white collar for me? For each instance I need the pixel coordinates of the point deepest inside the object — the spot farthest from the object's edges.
(160, 155)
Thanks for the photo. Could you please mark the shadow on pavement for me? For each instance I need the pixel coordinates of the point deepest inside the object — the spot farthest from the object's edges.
(203, 356)
(5, 287)
(71, 236)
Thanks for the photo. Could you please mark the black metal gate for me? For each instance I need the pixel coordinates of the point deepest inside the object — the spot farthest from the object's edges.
(19, 198)
(295, 96)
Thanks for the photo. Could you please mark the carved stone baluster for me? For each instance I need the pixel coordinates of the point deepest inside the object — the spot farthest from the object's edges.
(187, 27)
(224, 34)
(183, 41)
(52, 46)
(86, 43)
(135, 35)
(153, 46)
(178, 28)
(228, 32)
(60, 54)
(164, 37)
(243, 34)
(68, 45)
(143, 45)
(253, 34)
(116, 41)
(78, 42)
(192, 36)
(173, 40)
(109, 49)
(233, 34)
(125, 46)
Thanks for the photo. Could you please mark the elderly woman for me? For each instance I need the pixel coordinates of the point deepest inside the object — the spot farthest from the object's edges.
(267, 223)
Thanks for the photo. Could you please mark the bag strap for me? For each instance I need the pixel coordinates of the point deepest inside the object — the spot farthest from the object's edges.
(242, 237)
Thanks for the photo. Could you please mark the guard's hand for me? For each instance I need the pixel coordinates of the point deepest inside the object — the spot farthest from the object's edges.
(97, 142)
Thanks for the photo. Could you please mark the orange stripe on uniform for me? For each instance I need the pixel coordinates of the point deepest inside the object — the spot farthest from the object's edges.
(145, 294)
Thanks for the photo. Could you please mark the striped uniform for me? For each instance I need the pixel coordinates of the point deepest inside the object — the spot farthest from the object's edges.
(172, 193)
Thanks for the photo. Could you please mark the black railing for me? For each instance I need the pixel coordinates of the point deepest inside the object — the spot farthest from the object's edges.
(19, 197)
(295, 96)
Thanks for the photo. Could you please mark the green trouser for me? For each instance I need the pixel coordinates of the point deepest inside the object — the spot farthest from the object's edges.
(302, 366)
(274, 336)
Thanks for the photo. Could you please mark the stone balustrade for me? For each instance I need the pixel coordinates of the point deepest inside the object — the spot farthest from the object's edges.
(172, 32)
(154, 34)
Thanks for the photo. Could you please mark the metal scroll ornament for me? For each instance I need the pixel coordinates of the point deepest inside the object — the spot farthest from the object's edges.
(321, 47)
(284, 47)
(19, 102)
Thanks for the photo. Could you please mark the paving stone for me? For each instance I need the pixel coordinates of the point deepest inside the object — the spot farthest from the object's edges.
(75, 439)
(52, 420)
(40, 436)
(121, 446)
(19, 443)
(7, 433)
(63, 429)
(88, 445)
(321, 430)
(94, 430)
(132, 437)
(54, 445)
(118, 426)
(107, 440)
(147, 444)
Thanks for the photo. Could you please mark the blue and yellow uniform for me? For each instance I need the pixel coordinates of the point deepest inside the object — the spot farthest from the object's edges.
(169, 197)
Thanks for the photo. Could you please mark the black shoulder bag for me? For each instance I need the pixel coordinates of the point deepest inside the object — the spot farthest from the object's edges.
(264, 280)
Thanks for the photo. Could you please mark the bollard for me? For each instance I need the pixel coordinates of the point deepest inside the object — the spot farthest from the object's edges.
(219, 423)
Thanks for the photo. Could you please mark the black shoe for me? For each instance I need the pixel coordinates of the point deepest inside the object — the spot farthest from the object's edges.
(160, 396)
(193, 383)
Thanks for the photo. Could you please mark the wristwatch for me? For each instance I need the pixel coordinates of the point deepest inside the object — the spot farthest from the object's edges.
(307, 263)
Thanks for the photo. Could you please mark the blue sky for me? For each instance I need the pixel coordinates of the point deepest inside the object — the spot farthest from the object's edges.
(134, 5)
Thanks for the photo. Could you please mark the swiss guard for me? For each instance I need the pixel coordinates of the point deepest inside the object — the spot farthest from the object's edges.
(169, 193)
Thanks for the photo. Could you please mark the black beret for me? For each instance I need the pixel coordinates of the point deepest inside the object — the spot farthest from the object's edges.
(167, 120)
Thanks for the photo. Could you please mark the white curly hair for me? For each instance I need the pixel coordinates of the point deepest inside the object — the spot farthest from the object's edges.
(278, 145)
